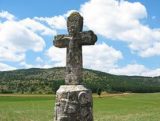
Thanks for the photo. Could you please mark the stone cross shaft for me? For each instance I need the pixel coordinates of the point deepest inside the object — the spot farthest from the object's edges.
(74, 42)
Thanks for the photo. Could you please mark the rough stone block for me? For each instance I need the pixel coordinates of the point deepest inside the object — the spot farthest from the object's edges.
(73, 103)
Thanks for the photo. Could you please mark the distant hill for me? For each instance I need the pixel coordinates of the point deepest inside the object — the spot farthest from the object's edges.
(37, 80)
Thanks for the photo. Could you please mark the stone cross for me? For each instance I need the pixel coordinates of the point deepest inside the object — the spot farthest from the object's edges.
(74, 42)
(74, 101)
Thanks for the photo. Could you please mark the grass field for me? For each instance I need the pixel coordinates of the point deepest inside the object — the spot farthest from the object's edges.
(127, 107)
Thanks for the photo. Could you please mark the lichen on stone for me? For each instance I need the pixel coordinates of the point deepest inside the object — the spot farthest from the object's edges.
(74, 14)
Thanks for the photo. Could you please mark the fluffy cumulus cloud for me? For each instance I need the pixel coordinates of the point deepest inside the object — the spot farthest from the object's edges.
(5, 67)
(16, 40)
(19, 36)
(105, 17)
(122, 22)
(39, 60)
(152, 73)
(35, 26)
(6, 15)
(56, 22)
(99, 57)
(57, 55)
(39, 64)
(135, 69)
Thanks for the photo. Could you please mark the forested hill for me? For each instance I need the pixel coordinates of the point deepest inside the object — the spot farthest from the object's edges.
(37, 80)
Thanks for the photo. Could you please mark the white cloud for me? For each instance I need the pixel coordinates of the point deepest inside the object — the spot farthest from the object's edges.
(6, 15)
(99, 57)
(16, 40)
(57, 55)
(152, 73)
(154, 50)
(45, 66)
(5, 67)
(19, 36)
(131, 69)
(7, 54)
(122, 23)
(104, 58)
(104, 17)
(26, 65)
(39, 59)
(135, 69)
(37, 27)
(41, 64)
(56, 22)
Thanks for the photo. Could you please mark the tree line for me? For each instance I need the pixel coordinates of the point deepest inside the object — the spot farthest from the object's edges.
(47, 81)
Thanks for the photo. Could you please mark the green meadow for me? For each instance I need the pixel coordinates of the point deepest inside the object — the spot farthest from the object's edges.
(125, 107)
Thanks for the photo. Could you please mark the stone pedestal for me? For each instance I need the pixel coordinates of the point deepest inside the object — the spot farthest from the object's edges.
(73, 103)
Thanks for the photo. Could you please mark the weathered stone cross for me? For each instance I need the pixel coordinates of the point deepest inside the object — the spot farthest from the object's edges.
(74, 42)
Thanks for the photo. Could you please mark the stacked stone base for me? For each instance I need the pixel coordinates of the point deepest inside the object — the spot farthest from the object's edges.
(73, 103)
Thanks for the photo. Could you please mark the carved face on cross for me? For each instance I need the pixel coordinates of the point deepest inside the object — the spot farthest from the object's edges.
(74, 42)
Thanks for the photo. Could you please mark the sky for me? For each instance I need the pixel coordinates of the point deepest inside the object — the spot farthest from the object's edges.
(128, 34)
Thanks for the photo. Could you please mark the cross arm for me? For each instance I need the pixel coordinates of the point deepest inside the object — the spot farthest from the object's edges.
(61, 41)
(88, 38)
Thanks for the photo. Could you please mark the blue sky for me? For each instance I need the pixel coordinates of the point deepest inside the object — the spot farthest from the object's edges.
(128, 34)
